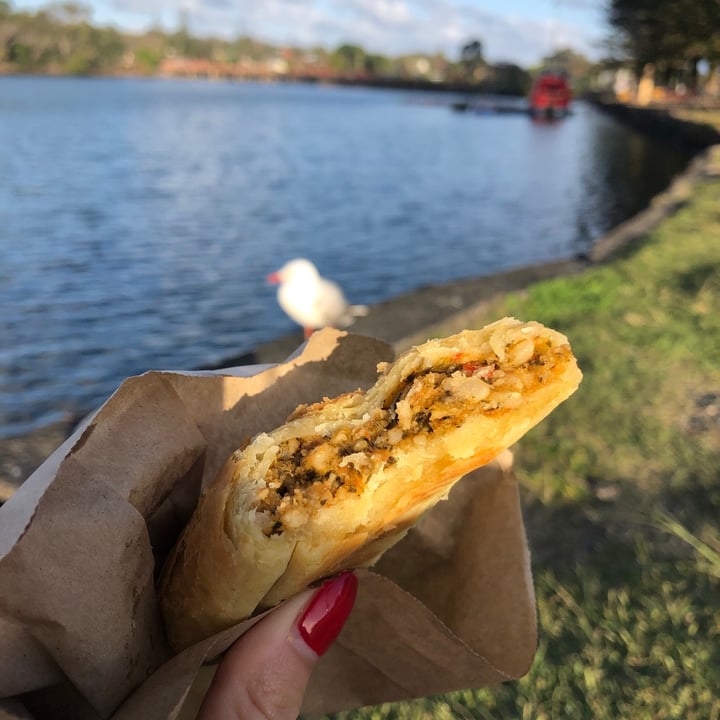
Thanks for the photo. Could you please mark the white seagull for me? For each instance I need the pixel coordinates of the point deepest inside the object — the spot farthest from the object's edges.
(310, 299)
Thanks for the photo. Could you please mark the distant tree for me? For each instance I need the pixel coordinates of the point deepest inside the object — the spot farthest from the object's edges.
(472, 52)
(28, 41)
(92, 50)
(110, 47)
(349, 58)
(577, 67)
(148, 60)
(7, 31)
(20, 55)
(510, 79)
(472, 60)
(80, 62)
(247, 47)
(378, 65)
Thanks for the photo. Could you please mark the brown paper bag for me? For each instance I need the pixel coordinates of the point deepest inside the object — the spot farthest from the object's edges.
(81, 543)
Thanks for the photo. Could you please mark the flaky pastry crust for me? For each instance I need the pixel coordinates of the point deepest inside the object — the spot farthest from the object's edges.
(344, 479)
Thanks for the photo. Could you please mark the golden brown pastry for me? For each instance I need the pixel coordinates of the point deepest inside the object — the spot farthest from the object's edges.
(344, 479)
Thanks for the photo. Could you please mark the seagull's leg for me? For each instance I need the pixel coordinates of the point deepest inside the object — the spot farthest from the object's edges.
(308, 332)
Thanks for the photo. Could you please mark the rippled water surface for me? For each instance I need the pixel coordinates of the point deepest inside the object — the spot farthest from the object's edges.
(138, 219)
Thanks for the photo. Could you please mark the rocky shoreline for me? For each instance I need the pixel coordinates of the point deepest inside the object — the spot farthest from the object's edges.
(406, 319)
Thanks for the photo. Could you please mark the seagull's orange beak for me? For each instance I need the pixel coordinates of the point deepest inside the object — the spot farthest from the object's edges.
(273, 278)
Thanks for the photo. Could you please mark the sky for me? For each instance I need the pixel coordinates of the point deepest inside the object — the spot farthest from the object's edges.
(520, 31)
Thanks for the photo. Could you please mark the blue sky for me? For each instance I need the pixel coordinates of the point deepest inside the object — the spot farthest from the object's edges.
(519, 31)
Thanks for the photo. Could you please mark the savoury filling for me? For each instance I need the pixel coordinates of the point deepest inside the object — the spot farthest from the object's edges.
(315, 469)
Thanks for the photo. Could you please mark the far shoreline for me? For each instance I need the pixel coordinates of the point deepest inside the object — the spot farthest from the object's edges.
(430, 86)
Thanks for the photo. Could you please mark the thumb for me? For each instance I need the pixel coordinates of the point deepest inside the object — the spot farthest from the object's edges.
(265, 673)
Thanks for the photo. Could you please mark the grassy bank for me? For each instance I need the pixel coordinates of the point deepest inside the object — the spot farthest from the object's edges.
(621, 491)
(702, 116)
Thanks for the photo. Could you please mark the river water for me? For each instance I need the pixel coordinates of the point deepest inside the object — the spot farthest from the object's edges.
(139, 218)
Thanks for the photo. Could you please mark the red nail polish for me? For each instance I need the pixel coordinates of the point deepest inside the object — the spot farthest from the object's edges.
(327, 612)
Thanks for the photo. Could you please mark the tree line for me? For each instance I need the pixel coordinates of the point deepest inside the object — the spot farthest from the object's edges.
(60, 38)
(675, 39)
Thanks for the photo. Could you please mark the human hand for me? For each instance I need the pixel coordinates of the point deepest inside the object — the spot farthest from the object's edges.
(264, 674)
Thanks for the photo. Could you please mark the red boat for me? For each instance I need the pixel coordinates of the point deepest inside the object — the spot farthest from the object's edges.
(550, 95)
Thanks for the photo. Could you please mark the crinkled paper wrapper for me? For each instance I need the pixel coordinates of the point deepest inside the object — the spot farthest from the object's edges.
(81, 542)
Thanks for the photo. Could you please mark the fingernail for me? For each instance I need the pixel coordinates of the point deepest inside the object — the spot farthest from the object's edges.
(327, 612)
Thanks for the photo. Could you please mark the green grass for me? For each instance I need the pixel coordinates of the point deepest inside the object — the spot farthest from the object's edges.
(621, 491)
(698, 115)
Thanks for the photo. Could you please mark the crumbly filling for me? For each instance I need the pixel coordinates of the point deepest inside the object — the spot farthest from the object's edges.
(312, 471)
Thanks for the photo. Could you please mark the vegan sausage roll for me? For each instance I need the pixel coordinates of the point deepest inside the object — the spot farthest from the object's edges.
(344, 479)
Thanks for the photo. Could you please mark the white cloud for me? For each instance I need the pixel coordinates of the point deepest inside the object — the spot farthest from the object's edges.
(384, 12)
